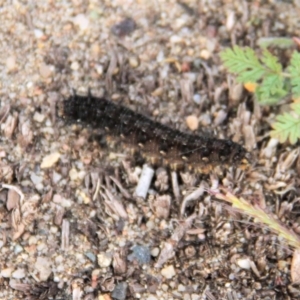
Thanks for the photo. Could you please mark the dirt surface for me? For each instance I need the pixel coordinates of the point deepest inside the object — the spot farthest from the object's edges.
(72, 226)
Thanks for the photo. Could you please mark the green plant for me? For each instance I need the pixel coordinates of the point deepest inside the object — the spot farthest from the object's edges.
(272, 84)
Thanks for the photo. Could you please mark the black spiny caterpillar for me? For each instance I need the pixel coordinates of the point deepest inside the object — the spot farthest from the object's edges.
(158, 143)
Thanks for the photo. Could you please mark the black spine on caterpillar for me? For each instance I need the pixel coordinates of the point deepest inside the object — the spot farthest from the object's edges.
(155, 140)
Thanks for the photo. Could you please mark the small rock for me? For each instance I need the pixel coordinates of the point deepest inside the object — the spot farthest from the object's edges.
(19, 274)
(104, 260)
(36, 179)
(58, 199)
(91, 256)
(75, 66)
(186, 296)
(38, 117)
(119, 293)
(123, 28)
(43, 266)
(82, 22)
(56, 177)
(50, 160)
(45, 71)
(175, 39)
(244, 263)
(18, 249)
(141, 254)
(205, 54)
(38, 33)
(6, 273)
(99, 69)
(230, 21)
(168, 272)
(155, 251)
(133, 62)
(192, 122)
(197, 98)
(76, 175)
(11, 64)
(181, 288)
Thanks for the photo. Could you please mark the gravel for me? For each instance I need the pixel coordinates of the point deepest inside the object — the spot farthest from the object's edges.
(73, 218)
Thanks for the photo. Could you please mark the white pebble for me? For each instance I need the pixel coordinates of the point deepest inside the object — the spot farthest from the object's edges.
(155, 251)
(75, 66)
(168, 272)
(181, 288)
(6, 273)
(19, 274)
(11, 63)
(36, 179)
(192, 122)
(244, 263)
(43, 266)
(50, 160)
(38, 117)
(82, 22)
(38, 33)
(104, 260)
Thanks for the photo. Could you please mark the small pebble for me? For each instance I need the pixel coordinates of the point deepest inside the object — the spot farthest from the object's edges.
(186, 296)
(133, 62)
(56, 177)
(197, 98)
(205, 54)
(125, 27)
(168, 272)
(244, 263)
(36, 179)
(38, 33)
(181, 288)
(82, 22)
(6, 273)
(91, 256)
(43, 267)
(18, 249)
(50, 160)
(32, 240)
(38, 117)
(104, 260)
(75, 66)
(192, 122)
(58, 199)
(45, 71)
(155, 251)
(75, 175)
(11, 64)
(19, 274)
(230, 21)
(119, 293)
(141, 254)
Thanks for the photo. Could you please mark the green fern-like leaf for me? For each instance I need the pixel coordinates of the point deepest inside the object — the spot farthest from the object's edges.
(271, 62)
(286, 127)
(295, 73)
(244, 63)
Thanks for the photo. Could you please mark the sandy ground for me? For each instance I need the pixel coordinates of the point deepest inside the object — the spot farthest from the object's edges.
(71, 227)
